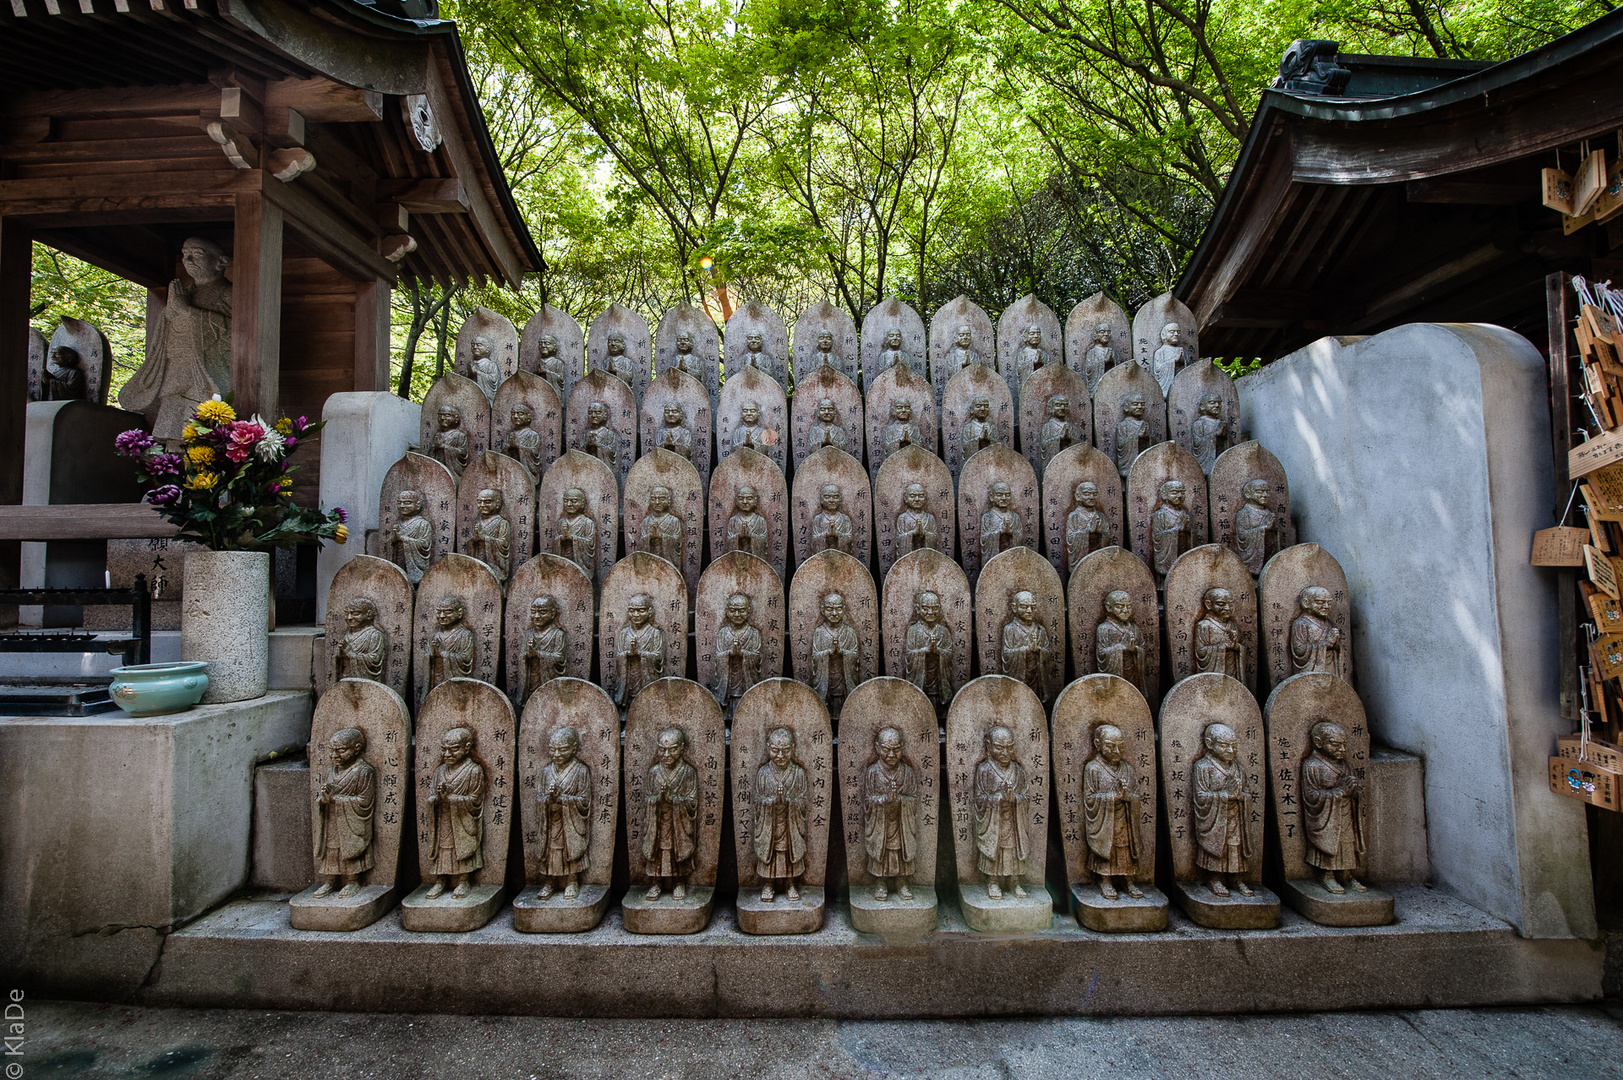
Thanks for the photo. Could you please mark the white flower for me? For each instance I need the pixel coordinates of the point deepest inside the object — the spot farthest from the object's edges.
(271, 445)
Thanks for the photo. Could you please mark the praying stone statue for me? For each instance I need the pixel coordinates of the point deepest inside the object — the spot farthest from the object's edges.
(1333, 810)
(1132, 432)
(1100, 357)
(1169, 357)
(746, 528)
(189, 359)
(1086, 527)
(750, 431)
(929, 648)
(893, 336)
(523, 441)
(755, 354)
(364, 650)
(549, 365)
(486, 372)
(1002, 833)
(64, 375)
(450, 444)
(835, 654)
(1208, 434)
(890, 822)
(545, 646)
(599, 439)
(1315, 641)
(962, 354)
(661, 532)
(619, 363)
(901, 430)
(451, 652)
(686, 361)
(827, 430)
(457, 625)
(831, 526)
(891, 352)
(1111, 801)
(1218, 644)
(577, 532)
(916, 525)
(825, 356)
(345, 810)
(1027, 650)
(780, 818)
(1030, 356)
(1119, 641)
(1171, 527)
(639, 650)
(565, 804)
(1256, 526)
(1222, 813)
(671, 800)
(457, 802)
(1001, 526)
(737, 652)
(675, 435)
(1058, 432)
(979, 430)
(492, 540)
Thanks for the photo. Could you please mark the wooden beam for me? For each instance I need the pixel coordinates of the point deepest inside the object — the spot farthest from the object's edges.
(1471, 262)
(16, 277)
(132, 184)
(1269, 208)
(456, 149)
(372, 335)
(131, 252)
(325, 100)
(1559, 304)
(113, 102)
(256, 305)
(84, 521)
(437, 196)
(1468, 193)
(339, 243)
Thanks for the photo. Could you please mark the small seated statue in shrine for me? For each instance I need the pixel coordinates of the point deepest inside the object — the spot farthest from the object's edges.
(577, 532)
(1087, 529)
(1208, 435)
(978, 431)
(1171, 526)
(890, 816)
(1100, 357)
(750, 431)
(1332, 810)
(901, 430)
(523, 441)
(450, 443)
(564, 799)
(486, 372)
(1001, 526)
(64, 375)
(675, 435)
(827, 429)
(779, 824)
(1110, 807)
(929, 648)
(916, 525)
(831, 525)
(1002, 830)
(746, 528)
(456, 802)
(599, 439)
(492, 539)
(737, 652)
(1118, 640)
(545, 646)
(1256, 527)
(451, 651)
(410, 542)
(344, 816)
(1132, 433)
(671, 816)
(1030, 357)
(1057, 431)
(548, 364)
(835, 654)
(1027, 648)
(1218, 644)
(1315, 641)
(365, 646)
(1222, 812)
(639, 649)
(661, 532)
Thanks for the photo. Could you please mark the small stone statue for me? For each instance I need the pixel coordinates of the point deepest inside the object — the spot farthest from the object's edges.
(1315, 641)
(1002, 834)
(835, 654)
(1110, 806)
(492, 539)
(577, 532)
(901, 431)
(1057, 431)
(523, 441)
(891, 351)
(1026, 645)
(1256, 528)
(620, 365)
(827, 431)
(1100, 357)
(755, 354)
(746, 529)
(1218, 646)
(639, 649)
(962, 354)
(780, 817)
(890, 820)
(450, 444)
(486, 372)
(831, 526)
(365, 646)
(915, 525)
(1208, 435)
(825, 356)
(344, 815)
(673, 810)
(929, 650)
(1086, 527)
(549, 365)
(65, 377)
(451, 653)
(1169, 357)
(676, 436)
(565, 799)
(1030, 357)
(457, 802)
(1132, 433)
(545, 645)
(737, 652)
(1171, 527)
(411, 540)
(599, 439)
(661, 532)
(685, 360)
(1222, 812)
(978, 431)
(1332, 810)
(1001, 527)
(1119, 640)
(189, 359)
(750, 431)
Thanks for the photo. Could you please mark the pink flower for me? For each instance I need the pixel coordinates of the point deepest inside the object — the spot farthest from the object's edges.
(244, 436)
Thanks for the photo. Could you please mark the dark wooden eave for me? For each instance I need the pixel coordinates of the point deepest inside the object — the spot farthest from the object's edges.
(1348, 217)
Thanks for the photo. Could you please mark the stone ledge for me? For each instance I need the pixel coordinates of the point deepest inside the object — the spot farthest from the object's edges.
(1440, 953)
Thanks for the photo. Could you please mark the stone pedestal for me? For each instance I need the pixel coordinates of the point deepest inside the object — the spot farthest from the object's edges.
(225, 621)
(781, 915)
(1259, 911)
(1372, 907)
(893, 917)
(1124, 915)
(1010, 915)
(558, 914)
(446, 914)
(668, 915)
(334, 912)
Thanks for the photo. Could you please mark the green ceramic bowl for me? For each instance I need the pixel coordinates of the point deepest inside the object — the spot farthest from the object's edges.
(155, 689)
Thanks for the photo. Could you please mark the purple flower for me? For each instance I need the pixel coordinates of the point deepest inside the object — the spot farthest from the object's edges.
(163, 464)
(290, 442)
(132, 442)
(343, 515)
(163, 496)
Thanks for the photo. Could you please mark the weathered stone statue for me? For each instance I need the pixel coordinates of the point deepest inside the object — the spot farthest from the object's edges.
(831, 526)
(1110, 805)
(620, 364)
(929, 648)
(1222, 811)
(1026, 646)
(1031, 356)
(1218, 645)
(825, 356)
(639, 649)
(343, 824)
(755, 354)
(890, 822)
(672, 814)
(1057, 431)
(365, 648)
(780, 818)
(979, 431)
(450, 654)
(835, 654)
(486, 372)
(738, 652)
(901, 430)
(1002, 835)
(1171, 527)
(750, 431)
(1315, 641)
(916, 525)
(599, 439)
(746, 528)
(1100, 357)
(962, 354)
(545, 646)
(891, 352)
(492, 541)
(190, 356)
(1132, 433)
(1169, 357)
(64, 375)
(685, 360)
(450, 445)
(457, 803)
(1256, 527)
(565, 795)
(661, 529)
(577, 533)
(549, 365)
(1332, 810)
(1001, 526)
(675, 435)
(1208, 434)
(827, 431)
(523, 441)
(1119, 640)
(411, 542)
(1086, 526)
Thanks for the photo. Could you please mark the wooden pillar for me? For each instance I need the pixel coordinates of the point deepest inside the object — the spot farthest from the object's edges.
(372, 335)
(256, 306)
(16, 275)
(1561, 307)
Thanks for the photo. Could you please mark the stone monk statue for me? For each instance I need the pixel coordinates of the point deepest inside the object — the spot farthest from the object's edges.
(672, 811)
(621, 365)
(1218, 645)
(545, 646)
(565, 805)
(915, 525)
(1110, 807)
(890, 819)
(750, 431)
(746, 529)
(189, 360)
(1132, 433)
(1100, 357)
(1087, 529)
(492, 539)
(1315, 641)
(411, 540)
(457, 805)
(685, 360)
(1222, 812)
(65, 375)
(450, 654)
(364, 647)
(1119, 640)
(901, 430)
(486, 372)
(661, 532)
(737, 652)
(834, 654)
(779, 826)
(755, 354)
(1171, 526)
(577, 532)
(825, 354)
(639, 649)
(344, 812)
(1057, 431)
(1332, 810)
(891, 351)
(676, 436)
(450, 443)
(962, 354)
(523, 441)
(1026, 644)
(1256, 528)
(978, 431)
(1169, 357)
(831, 526)
(929, 650)
(827, 431)
(1030, 358)
(1001, 526)
(599, 439)
(1002, 831)
(549, 365)
(1207, 435)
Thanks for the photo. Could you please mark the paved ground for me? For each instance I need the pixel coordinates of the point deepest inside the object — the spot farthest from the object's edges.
(66, 1039)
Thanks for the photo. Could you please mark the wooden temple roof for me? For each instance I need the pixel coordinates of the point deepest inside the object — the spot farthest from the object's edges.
(1348, 216)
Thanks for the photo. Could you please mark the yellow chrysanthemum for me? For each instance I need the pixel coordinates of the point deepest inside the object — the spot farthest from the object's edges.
(285, 426)
(202, 455)
(216, 412)
(342, 536)
(202, 481)
(189, 432)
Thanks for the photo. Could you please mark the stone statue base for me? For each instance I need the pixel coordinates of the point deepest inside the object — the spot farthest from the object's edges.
(667, 915)
(781, 916)
(1124, 915)
(1308, 896)
(894, 917)
(1233, 912)
(332, 912)
(1010, 915)
(445, 914)
(557, 915)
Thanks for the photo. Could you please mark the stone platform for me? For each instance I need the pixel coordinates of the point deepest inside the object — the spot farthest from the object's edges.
(1440, 953)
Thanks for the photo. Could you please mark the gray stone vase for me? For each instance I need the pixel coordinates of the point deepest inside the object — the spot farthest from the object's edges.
(225, 620)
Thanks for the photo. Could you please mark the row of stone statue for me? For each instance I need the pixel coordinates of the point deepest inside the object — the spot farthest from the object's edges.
(568, 767)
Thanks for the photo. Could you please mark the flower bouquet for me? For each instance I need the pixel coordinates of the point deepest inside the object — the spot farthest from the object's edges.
(230, 487)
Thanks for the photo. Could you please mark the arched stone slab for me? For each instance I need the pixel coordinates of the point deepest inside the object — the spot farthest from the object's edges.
(502, 337)
(995, 465)
(844, 354)
(1210, 567)
(568, 361)
(661, 468)
(823, 574)
(1135, 658)
(704, 360)
(402, 540)
(1074, 466)
(999, 635)
(1245, 532)
(593, 478)
(1011, 328)
(571, 591)
(746, 468)
(811, 390)
(475, 584)
(1081, 326)
(600, 387)
(1150, 322)
(1209, 437)
(830, 466)
(921, 572)
(1040, 441)
(690, 438)
(1158, 465)
(641, 574)
(957, 410)
(898, 383)
(1318, 644)
(738, 573)
(947, 356)
(472, 410)
(95, 360)
(385, 586)
(636, 366)
(746, 387)
(896, 536)
(1109, 400)
(531, 391)
(773, 358)
(494, 472)
(881, 319)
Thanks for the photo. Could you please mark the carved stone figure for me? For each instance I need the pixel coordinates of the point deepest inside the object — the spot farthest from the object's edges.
(1208, 434)
(639, 649)
(686, 361)
(450, 445)
(565, 798)
(1218, 645)
(1256, 527)
(825, 356)
(661, 529)
(486, 372)
(891, 351)
(916, 525)
(619, 362)
(1110, 803)
(1132, 432)
(1169, 357)
(365, 647)
(672, 812)
(979, 430)
(1222, 812)
(901, 430)
(831, 526)
(1119, 641)
(190, 356)
(545, 646)
(1333, 810)
(549, 365)
(737, 652)
(675, 435)
(492, 541)
(577, 533)
(450, 654)
(746, 528)
(827, 431)
(780, 818)
(1031, 356)
(1100, 357)
(344, 818)
(890, 821)
(599, 439)
(408, 541)
(835, 654)
(1171, 527)
(755, 354)
(750, 431)
(1086, 527)
(1027, 649)
(1002, 832)
(65, 378)
(1001, 526)
(1058, 432)
(1315, 641)
(962, 354)
(523, 441)
(457, 803)
(929, 648)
